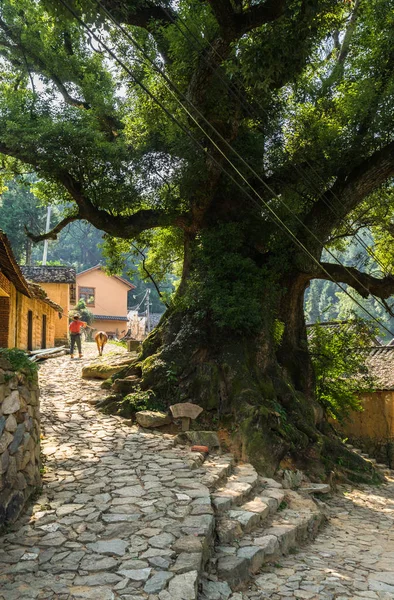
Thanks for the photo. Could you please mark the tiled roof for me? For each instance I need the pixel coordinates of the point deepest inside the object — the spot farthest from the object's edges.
(49, 274)
(10, 267)
(37, 292)
(109, 318)
(380, 364)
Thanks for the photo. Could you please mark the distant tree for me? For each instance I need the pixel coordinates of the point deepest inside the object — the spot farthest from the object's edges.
(20, 208)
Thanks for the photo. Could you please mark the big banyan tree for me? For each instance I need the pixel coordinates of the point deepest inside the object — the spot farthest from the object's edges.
(237, 139)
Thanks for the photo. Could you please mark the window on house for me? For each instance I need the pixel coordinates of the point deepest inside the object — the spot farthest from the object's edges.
(73, 294)
(87, 294)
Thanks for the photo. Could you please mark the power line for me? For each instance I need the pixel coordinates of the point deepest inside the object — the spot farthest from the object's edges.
(180, 93)
(268, 207)
(241, 99)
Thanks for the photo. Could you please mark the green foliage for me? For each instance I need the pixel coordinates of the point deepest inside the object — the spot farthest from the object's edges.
(338, 353)
(19, 361)
(81, 309)
(142, 400)
(222, 271)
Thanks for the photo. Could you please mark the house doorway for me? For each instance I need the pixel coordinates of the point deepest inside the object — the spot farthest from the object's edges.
(4, 320)
(44, 332)
(29, 330)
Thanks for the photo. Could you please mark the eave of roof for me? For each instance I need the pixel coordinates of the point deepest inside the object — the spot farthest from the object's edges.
(109, 318)
(10, 267)
(100, 268)
(40, 294)
(49, 274)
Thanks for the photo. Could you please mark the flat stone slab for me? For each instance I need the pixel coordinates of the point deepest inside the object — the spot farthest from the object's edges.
(114, 546)
(316, 488)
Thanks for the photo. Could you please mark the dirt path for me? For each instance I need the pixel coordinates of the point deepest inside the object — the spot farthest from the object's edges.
(112, 507)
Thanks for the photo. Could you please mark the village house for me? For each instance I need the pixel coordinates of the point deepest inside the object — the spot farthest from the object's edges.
(59, 284)
(28, 318)
(106, 297)
(374, 425)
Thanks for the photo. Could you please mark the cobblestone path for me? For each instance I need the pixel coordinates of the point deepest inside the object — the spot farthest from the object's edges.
(113, 505)
(124, 515)
(352, 557)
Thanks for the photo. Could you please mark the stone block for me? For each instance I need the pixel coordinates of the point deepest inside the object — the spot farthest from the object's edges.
(14, 507)
(152, 419)
(157, 582)
(4, 461)
(184, 586)
(228, 531)
(11, 424)
(254, 555)
(233, 569)
(199, 438)
(268, 543)
(11, 403)
(3, 421)
(18, 438)
(247, 520)
(5, 441)
(187, 561)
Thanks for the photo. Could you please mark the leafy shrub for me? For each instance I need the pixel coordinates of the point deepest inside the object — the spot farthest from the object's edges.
(338, 353)
(19, 361)
(142, 400)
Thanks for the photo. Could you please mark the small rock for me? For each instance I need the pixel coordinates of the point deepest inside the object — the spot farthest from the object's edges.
(115, 546)
(153, 419)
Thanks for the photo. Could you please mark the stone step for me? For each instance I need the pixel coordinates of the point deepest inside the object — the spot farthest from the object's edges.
(218, 468)
(238, 562)
(233, 523)
(238, 487)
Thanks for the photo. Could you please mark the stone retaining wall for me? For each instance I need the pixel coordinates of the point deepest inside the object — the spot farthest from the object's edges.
(19, 440)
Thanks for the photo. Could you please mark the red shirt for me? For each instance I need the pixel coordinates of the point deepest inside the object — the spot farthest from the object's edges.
(75, 326)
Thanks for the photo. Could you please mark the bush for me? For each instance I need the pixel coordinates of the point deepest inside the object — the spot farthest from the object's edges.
(338, 352)
(142, 400)
(19, 361)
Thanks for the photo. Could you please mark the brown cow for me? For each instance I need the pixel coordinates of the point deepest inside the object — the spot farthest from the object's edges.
(101, 339)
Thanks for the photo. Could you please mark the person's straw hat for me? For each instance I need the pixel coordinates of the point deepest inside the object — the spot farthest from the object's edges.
(77, 316)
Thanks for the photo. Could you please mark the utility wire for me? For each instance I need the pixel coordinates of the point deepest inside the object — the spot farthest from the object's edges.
(175, 92)
(234, 92)
(169, 114)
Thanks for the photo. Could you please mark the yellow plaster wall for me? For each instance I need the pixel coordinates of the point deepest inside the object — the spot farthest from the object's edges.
(60, 293)
(110, 293)
(376, 421)
(13, 324)
(38, 308)
(110, 326)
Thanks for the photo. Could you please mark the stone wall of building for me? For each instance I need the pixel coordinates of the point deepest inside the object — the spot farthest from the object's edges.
(19, 440)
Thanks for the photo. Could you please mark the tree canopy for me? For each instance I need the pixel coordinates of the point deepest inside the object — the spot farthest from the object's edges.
(302, 90)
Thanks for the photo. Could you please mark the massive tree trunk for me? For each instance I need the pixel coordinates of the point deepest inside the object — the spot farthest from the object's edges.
(255, 383)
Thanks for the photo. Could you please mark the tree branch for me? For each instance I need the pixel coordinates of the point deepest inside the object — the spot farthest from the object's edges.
(125, 227)
(52, 235)
(150, 275)
(363, 283)
(349, 190)
(233, 24)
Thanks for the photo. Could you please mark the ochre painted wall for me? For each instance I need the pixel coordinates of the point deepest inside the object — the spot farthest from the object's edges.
(60, 293)
(14, 320)
(110, 293)
(376, 421)
(110, 326)
(38, 308)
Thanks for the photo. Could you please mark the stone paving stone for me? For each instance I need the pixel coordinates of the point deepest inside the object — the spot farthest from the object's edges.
(116, 508)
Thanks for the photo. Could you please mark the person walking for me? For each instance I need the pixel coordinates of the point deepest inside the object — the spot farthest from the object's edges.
(75, 333)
